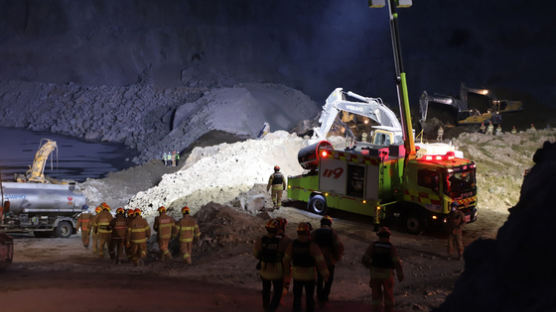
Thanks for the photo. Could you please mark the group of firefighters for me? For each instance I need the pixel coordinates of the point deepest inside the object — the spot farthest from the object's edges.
(125, 235)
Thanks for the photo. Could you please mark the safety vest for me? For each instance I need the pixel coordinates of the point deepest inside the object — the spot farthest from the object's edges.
(270, 252)
(277, 178)
(382, 255)
(301, 254)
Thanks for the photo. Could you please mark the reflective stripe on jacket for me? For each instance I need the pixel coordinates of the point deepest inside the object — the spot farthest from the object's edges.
(138, 230)
(187, 229)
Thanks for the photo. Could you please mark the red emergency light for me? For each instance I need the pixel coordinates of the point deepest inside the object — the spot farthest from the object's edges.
(449, 156)
(324, 153)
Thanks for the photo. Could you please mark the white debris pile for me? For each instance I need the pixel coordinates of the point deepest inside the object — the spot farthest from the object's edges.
(219, 173)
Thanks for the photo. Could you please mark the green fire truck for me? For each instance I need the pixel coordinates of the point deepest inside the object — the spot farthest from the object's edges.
(390, 180)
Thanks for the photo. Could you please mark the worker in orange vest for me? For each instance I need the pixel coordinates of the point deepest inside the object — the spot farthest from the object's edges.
(84, 224)
(104, 233)
(119, 235)
(187, 230)
(138, 232)
(163, 225)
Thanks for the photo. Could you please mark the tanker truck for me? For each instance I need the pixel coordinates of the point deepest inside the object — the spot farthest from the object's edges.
(42, 209)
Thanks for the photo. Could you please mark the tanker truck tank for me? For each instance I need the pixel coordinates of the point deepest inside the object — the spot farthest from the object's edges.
(43, 209)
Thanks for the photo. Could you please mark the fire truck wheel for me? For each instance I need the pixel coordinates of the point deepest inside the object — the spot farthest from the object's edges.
(414, 224)
(64, 229)
(317, 204)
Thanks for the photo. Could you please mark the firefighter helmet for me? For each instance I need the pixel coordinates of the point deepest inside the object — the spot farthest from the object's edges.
(161, 209)
(137, 211)
(282, 223)
(105, 206)
(384, 232)
(120, 210)
(98, 209)
(185, 210)
(326, 220)
(129, 212)
(304, 228)
(272, 225)
(276, 168)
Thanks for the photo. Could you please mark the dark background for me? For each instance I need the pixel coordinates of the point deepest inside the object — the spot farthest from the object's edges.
(314, 45)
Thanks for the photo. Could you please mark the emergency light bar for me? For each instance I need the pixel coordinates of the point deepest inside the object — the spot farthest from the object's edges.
(448, 156)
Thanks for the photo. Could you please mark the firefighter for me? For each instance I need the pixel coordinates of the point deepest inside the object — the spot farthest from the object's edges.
(118, 237)
(130, 216)
(93, 222)
(306, 259)
(439, 133)
(332, 249)
(163, 226)
(498, 130)
(278, 184)
(84, 224)
(382, 258)
(138, 232)
(490, 128)
(514, 130)
(455, 230)
(104, 233)
(284, 242)
(187, 230)
(270, 252)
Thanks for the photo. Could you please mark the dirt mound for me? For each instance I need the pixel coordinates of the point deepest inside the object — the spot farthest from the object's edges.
(516, 271)
(222, 226)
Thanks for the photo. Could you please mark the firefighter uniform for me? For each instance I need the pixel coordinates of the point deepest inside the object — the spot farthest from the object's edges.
(269, 251)
(332, 249)
(84, 224)
(163, 225)
(93, 223)
(306, 259)
(278, 184)
(440, 133)
(130, 215)
(455, 227)
(119, 234)
(104, 233)
(382, 258)
(138, 232)
(187, 229)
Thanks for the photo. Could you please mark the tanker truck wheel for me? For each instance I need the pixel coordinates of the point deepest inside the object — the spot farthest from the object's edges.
(64, 229)
(317, 204)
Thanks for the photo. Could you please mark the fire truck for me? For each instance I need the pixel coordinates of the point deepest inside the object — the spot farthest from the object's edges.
(388, 180)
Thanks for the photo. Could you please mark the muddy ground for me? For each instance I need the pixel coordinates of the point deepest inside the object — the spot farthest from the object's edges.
(61, 275)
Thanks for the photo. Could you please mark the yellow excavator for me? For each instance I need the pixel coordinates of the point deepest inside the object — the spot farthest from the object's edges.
(36, 172)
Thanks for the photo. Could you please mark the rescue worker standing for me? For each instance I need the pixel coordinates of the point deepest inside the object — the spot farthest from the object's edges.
(187, 229)
(270, 252)
(163, 226)
(332, 250)
(104, 233)
(119, 235)
(278, 185)
(84, 224)
(382, 258)
(93, 222)
(138, 232)
(490, 128)
(284, 242)
(130, 216)
(455, 231)
(439, 133)
(306, 258)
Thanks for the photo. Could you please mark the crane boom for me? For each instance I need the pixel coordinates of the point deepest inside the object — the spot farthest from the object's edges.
(36, 173)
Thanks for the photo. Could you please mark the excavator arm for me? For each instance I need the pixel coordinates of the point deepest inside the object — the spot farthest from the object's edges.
(372, 108)
(36, 173)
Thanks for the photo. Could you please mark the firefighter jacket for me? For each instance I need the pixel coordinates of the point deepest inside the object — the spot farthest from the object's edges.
(269, 250)
(138, 231)
(382, 258)
(119, 227)
(331, 247)
(164, 225)
(305, 258)
(276, 181)
(84, 222)
(102, 222)
(187, 229)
